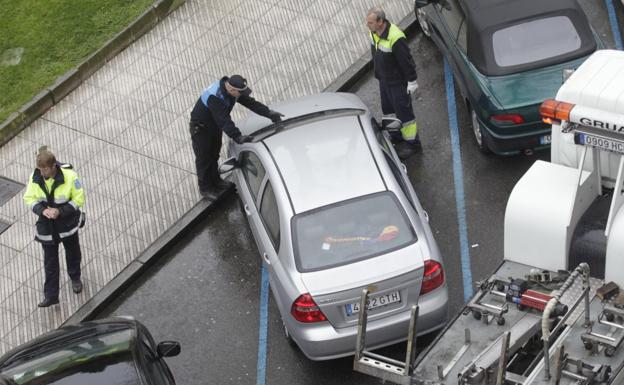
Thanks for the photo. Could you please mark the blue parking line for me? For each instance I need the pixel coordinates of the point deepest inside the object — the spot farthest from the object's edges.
(458, 178)
(262, 332)
(615, 29)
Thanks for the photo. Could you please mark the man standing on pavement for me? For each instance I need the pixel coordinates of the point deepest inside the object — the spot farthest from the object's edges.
(55, 195)
(396, 71)
(210, 118)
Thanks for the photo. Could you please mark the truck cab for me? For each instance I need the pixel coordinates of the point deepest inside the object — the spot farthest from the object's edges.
(569, 210)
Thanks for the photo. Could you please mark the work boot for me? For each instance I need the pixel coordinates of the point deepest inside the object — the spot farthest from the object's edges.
(211, 193)
(76, 285)
(224, 185)
(48, 302)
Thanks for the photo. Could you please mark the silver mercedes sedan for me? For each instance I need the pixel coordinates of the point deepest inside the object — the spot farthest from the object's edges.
(333, 212)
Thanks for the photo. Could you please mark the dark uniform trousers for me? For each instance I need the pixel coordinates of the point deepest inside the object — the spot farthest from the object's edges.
(207, 147)
(396, 100)
(73, 257)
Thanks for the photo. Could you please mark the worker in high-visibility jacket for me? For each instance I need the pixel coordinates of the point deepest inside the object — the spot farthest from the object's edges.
(395, 69)
(55, 195)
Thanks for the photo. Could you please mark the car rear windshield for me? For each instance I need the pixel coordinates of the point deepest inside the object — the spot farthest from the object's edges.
(97, 360)
(535, 40)
(350, 231)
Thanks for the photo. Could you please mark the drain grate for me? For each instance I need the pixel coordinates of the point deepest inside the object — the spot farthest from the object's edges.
(8, 189)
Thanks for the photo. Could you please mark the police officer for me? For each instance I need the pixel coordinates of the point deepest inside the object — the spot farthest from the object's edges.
(55, 195)
(395, 69)
(210, 118)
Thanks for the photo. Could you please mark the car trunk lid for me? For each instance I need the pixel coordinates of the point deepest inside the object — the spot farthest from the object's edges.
(525, 91)
(393, 279)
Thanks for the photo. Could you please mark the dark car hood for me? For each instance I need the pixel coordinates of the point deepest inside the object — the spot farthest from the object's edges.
(528, 88)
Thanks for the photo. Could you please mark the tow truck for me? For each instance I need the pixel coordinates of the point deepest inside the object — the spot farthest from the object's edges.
(552, 313)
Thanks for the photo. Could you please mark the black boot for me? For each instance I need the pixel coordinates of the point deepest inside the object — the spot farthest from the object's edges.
(48, 302)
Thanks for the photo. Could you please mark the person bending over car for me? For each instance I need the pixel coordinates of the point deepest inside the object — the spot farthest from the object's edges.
(210, 118)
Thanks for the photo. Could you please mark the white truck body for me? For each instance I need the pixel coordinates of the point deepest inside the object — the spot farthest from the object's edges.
(546, 204)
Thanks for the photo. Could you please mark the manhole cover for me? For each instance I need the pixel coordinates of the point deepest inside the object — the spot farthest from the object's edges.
(3, 226)
(8, 189)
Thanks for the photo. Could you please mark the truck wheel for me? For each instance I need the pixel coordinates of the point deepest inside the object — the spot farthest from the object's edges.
(500, 321)
(476, 314)
(479, 134)
(588, 345)
(421, 16)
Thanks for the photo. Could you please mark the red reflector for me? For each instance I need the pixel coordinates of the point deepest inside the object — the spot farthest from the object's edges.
(304, 309)
(433, 276)
(507, 118)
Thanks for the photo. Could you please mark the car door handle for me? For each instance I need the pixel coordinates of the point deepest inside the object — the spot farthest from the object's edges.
(246, 208)
(265, 256)
(404, 167)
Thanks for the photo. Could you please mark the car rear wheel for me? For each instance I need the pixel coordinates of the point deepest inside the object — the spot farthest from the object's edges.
(421, 16)
(479, 134)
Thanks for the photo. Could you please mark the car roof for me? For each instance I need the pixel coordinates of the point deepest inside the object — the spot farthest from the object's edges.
(484, 17)
(59, 336)
(325, 161)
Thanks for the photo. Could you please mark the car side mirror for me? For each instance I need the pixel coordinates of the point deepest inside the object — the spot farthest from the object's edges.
(388, 123)
(228, 165)
(421, 3)
(168, 349)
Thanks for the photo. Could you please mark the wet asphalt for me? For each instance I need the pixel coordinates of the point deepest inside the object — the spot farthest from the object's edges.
(205, 292)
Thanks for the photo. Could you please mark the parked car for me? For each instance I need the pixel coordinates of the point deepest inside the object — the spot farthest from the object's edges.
(333, 212)
(110, 351)
(507, 56)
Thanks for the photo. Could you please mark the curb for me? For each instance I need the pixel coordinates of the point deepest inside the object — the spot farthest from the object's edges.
(64, 84)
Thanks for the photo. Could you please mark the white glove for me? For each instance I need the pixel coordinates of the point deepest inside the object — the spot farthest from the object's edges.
(412, 86)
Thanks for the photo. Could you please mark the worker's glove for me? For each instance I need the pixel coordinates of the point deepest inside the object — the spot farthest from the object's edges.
(412, 86)
(240, 139)
(275, 116)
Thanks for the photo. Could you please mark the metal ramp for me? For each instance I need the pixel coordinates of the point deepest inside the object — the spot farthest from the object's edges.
(530, 347)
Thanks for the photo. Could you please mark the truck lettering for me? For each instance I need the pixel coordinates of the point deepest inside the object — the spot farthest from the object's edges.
(603, 125)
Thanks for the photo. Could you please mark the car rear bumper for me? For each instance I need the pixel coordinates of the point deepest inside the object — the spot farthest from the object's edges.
(323, 342)
(506, 143)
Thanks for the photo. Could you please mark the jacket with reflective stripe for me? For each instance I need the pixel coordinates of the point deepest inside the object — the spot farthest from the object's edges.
(67, 195)
(392, 59)
(212, 110)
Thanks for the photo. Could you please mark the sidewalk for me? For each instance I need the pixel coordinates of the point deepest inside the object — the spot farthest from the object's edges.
(125, 131)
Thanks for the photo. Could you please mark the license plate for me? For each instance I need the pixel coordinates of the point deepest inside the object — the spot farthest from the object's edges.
(545, 139)
(602, 143)
(374, 302)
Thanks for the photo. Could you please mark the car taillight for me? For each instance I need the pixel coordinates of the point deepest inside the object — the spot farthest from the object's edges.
(304, 309)
(433, 277)
(507, 119)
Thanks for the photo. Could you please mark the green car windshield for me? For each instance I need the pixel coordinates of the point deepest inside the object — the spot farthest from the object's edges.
(101, 359)
(350, 231)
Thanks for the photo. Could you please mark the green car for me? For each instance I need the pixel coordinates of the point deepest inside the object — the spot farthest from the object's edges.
(507, 56)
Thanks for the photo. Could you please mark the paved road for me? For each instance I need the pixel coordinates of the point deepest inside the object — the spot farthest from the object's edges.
(205, 292)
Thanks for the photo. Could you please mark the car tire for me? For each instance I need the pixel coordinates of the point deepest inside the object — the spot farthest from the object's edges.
(479, 135)
(421, 16)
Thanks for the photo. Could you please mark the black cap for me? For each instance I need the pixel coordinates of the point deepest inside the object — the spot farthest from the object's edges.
(240, 84)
